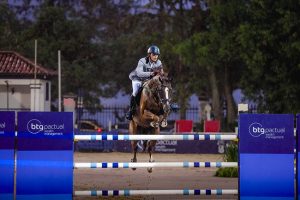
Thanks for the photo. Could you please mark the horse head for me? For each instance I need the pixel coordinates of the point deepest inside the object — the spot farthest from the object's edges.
(161, 85)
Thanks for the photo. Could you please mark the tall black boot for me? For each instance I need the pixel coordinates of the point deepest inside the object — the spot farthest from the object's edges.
(131, 108)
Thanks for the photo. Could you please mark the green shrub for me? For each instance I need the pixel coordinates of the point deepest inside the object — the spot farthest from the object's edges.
(227, 172)
(231, 155)
(231, 152)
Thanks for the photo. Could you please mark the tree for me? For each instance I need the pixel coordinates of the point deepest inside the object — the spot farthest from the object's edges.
(80, 62)
(215, 57)
(270, 49)
(9, 28)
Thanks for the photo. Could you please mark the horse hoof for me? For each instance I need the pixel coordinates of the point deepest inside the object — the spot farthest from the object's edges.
(149, 170)
(164, 124)
(133, 160)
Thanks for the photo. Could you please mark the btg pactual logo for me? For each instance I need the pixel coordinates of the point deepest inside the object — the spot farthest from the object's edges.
(34, 126)
(256, 129)
(2, 125)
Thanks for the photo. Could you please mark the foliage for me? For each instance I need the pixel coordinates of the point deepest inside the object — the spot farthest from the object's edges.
(231, 155)
(228, 172)
(9, 27)
(209, 47)
(231, 152)
(269, 39)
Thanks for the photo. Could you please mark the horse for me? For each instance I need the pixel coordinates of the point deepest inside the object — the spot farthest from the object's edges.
(151, 112)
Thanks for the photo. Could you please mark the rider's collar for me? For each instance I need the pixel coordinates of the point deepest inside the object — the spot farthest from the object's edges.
(151, 61)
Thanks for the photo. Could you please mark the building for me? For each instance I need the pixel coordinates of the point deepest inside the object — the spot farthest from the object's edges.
(19, 90)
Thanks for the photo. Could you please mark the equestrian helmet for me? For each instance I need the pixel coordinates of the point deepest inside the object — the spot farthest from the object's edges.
(153, 49)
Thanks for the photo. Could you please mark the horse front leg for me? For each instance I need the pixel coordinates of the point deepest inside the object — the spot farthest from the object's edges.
(164, 122)
(153, 118)
(134, 148)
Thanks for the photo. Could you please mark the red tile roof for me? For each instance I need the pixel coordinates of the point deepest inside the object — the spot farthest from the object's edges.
(14, 64)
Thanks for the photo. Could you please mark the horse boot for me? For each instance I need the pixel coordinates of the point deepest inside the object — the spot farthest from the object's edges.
(164, 123)
(131, 108)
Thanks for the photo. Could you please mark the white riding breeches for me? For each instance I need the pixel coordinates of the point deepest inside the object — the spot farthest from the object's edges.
(135, 87)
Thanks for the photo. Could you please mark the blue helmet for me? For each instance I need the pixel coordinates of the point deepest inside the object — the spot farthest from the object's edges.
(153, 49)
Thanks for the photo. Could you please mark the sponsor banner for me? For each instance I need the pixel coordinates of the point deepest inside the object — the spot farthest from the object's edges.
(261, 181)
(266, 133)
(266, 156)
(45, 155)
(163, 146)
(298, 157)
(39, 130)
(7, 130)
(7, 145)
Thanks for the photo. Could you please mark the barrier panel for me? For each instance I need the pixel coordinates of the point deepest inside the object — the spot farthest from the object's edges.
(45, 156)
(266, 156)
(7, 154)
(297, 156)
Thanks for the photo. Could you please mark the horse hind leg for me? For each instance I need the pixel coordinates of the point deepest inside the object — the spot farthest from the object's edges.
(134, 147)
(145, 145)
(151, 146)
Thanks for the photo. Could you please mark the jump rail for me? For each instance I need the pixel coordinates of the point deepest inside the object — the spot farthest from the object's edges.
(156, 192)
(156, 164)
(157, 137)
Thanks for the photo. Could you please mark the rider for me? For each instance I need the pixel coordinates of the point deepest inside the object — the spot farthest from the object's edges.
(147, 67)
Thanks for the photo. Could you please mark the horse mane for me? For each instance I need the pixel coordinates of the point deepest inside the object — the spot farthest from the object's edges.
(154, 82)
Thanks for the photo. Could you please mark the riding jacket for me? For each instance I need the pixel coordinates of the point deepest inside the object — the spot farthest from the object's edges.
(144, 68)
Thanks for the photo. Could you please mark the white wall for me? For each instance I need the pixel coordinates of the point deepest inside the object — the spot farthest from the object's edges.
(25, 94)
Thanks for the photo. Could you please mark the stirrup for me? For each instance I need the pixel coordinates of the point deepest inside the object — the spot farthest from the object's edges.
(164, 123)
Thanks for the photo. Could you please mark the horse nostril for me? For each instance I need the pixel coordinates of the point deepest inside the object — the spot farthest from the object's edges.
(167, 108)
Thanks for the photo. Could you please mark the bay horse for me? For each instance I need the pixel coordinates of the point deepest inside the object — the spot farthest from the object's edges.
(151, 112)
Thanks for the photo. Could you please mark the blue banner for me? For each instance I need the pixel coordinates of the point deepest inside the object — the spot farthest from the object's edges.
(7, 153)
(298, 157)
(45, 156)
(266, 157)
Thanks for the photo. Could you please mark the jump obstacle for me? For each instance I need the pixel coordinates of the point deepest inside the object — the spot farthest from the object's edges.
(51, 145)
(156, 164)
(155, 192)
(207, 136)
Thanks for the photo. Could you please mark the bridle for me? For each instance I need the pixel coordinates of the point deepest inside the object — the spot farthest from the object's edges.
(166, 90)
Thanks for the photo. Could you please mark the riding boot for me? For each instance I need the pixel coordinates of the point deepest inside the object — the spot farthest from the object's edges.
(131, 108)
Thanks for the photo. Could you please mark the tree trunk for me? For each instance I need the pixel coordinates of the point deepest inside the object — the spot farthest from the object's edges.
(216, 106)
(182, 102)
(231, 110)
